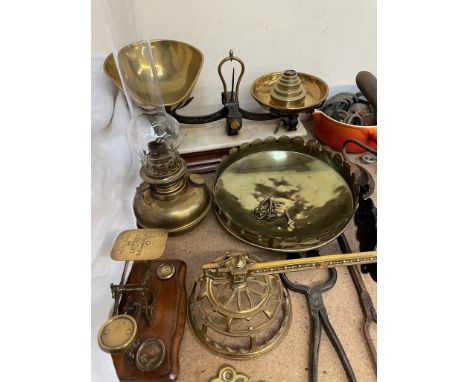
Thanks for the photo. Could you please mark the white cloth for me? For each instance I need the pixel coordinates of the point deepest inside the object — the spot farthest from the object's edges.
(115, 172)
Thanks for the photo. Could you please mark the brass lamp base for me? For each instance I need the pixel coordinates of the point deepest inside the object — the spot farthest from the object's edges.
(175, 210)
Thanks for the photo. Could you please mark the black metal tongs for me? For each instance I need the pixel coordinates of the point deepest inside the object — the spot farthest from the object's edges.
(319, 317)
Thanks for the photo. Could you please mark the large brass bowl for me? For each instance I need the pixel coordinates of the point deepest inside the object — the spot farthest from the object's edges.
(178, 66)
(316, 186)
(316, 92)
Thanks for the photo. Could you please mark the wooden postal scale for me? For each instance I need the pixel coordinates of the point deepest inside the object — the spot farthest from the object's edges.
(145, 329)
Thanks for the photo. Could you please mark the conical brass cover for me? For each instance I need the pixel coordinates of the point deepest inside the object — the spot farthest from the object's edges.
(288, 90)
(239, 320)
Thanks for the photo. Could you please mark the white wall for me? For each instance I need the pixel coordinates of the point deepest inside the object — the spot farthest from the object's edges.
(332, 39)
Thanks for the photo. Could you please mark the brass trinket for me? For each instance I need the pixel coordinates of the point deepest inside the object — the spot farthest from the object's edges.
(229, 374)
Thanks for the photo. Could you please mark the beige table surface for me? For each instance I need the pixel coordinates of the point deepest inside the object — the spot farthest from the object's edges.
(290, 360)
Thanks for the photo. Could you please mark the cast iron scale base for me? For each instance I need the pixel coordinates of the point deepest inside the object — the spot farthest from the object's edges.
(231, 110)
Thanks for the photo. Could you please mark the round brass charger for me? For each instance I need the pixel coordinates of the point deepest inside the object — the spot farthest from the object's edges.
(314, 186)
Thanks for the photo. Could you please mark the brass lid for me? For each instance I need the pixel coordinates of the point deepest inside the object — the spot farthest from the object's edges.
(316, 91)
(285, 195)
(117, 333)
(288, 90)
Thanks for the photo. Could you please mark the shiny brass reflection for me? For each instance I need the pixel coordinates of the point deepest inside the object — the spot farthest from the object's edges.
(178, 66)
(285, 195)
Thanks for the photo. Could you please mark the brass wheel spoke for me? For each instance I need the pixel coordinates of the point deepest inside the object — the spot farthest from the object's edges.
(249, 298)
(228, 324)
(228, 301)
(258, 282)
(254, 291)
(239, 302)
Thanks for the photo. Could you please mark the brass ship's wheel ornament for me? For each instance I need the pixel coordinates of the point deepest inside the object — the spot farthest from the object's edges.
(239, 308)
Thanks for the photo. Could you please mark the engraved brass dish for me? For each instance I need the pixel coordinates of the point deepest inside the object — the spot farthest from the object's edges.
(178, 66)
(289, 100)
(285, 195)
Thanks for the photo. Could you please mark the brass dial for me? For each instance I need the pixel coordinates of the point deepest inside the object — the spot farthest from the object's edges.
(117, 333)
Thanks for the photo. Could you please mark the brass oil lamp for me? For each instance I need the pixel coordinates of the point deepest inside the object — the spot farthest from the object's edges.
(169, 197)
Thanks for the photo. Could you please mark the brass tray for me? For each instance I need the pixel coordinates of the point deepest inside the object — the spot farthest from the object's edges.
(316, 186)
(316, 92)
(179, 65)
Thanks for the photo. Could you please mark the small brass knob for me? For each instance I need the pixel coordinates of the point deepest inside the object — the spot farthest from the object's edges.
(165, 271)
(235, 124)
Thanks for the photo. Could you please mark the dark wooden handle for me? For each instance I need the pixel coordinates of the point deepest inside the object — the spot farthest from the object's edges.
(367, 84)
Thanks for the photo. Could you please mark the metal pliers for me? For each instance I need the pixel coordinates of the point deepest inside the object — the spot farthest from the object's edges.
(319, 316)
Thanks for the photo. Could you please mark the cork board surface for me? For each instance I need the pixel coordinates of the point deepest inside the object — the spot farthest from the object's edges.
(290, 360)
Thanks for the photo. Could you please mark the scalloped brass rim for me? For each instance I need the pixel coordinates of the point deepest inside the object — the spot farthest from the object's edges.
(324, 153)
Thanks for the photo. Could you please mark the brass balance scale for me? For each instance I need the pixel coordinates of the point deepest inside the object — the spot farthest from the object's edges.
(284, 94)
(279, 194)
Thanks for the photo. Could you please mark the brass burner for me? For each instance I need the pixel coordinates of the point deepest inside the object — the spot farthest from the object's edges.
(239, 317)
